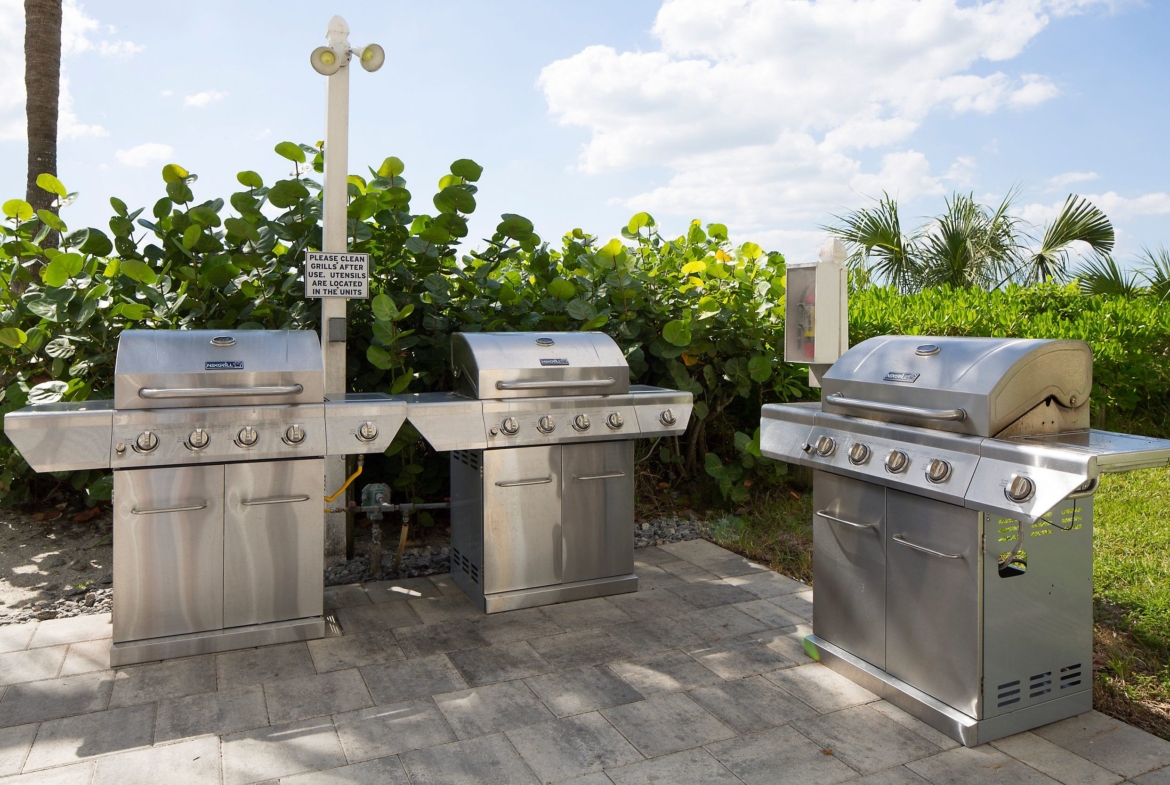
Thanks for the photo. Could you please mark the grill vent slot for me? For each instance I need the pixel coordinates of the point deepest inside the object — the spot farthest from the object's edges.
(467, 457)
(1009, 530)
(459, 561)
(1040, 684)
(1070, 676)
(1009, 693)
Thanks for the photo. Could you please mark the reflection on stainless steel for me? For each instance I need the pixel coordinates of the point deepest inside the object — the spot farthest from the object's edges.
(961, 591)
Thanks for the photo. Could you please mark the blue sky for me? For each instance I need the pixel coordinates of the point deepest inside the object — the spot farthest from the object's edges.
(767, 116)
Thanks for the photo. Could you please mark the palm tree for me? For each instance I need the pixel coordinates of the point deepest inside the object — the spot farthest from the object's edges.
(877, 244)
(1156, 270)
(1078, 220)
(969, 245)
(1102, 275)
(42, 85)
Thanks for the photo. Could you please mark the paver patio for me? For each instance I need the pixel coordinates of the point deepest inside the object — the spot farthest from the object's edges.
(697, 678)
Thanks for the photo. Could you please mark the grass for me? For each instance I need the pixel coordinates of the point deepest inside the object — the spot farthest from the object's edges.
(1131, 575)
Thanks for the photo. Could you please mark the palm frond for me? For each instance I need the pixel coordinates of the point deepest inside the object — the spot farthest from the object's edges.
(877, 244)
(1079, 220)
(1156, 270)
(1102, 275)
(969, 245)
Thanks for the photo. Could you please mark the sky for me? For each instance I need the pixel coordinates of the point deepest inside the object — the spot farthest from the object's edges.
(770, 116)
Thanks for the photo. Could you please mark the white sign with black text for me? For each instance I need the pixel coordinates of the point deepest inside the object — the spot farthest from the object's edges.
(337, 275)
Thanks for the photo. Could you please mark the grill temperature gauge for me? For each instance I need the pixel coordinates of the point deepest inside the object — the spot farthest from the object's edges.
(897, 461)
(545, 424)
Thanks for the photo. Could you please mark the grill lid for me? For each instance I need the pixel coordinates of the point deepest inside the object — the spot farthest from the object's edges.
(979, 386)
(493, 366)
(163, 369)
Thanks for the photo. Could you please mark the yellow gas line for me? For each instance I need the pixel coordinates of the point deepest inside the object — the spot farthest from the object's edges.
(352, 477)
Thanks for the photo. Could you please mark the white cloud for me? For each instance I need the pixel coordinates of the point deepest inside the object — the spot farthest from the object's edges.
(167, 93)
(1116, 206)
(760, 109)
(1062, 181)
(200, 100)
(68, 126)
(76, 28)
(144, 154)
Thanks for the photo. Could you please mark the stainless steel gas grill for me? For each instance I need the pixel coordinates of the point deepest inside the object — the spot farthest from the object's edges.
(217, 440)
(541, 429)
(953, 524)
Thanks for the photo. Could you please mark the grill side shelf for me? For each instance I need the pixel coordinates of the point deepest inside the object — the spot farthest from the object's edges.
(58, 437)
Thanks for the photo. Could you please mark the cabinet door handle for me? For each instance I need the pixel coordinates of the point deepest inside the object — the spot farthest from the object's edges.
(898, 538)
(160, 510)
(274, 500)
(517, 483)
(824, 514)
(610, 476)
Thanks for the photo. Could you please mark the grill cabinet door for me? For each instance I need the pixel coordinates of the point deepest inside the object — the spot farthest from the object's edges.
(849, 565)
(522, 518)
(168, 551)
(274, 541)
(597, 503)
(932, 602)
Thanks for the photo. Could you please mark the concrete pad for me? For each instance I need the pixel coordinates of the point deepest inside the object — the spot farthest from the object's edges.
(31, 665)
(578, 649)
(16, 637)
(159, 680)
(864, 739)
(582, 690)
(690, 767)
(976, 766)
(910, 722)
(445, 608)
(750, 705)
(389, 730)
(383, 771)
(715, 624)
(87, 657)
(352, 651)
(711, 594)
(739, 660)
(267, 753)
(316, 695)
(669, 671)
(688, 572)
(77, 774)
(359, 619)
(770, 614)
(14, 746)
(653, 603)
(428, 639)
(652, 555)
(1107, 742)
(502, 662)
(188, 763)
(55, 632)
(1159, 777)
(586, 614)
(648, 636)
(35, 701)
(780, 754)
(820, 687)
(267, 663)
(72, 739)
(491, 709)
(766, 583)
(1056, 762)
(337, 597)
(227, 711)
(666, 724)
(401, 589)
(490, 760)
(800, 603)
(571, 747)
(410, 679)
(520, 625)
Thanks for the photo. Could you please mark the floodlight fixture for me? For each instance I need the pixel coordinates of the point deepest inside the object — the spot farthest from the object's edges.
(371, 56)
(325, 61)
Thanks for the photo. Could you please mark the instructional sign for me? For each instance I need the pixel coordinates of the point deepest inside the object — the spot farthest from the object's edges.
(337, 275)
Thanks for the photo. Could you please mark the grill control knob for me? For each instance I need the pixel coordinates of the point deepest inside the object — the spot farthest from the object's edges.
(826, 446)
(247, 436)
(294, 434)
(545, 424)
(897, 461)
(581, 422)
(510, 426)
(367, 432)
(198, 439)
(1020, 488)
(615, 420)
(146, 441)
(858, 454)
(667, 417)
(938, 471)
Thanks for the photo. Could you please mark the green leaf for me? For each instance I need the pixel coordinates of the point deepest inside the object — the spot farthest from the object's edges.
(44, 308)
(515, 226)
(677, 332)
(241, 228)
(290, 151)
(639, 221)
(286, 193)
(179, 192)
(173, 173)
(404, 312)
(191, 235)
(449, 179)
(102, 490)
(203, 215)
(750, 251)
(60, 347)
(47, 392)
(250, 179)
(63, 267)
(717, 231)
(137, 271)
(96, 243)
(401, 383)
(714, 466)
(379, 357)
(467, 169)
(759, 368)
(47, 182)
(391, 167)
(454, 199)
(384, 308)
(135, 312)
(561, 289)
(610, 251)
(597, 321)
(18, 209)
(708, 304)
(118, 205)
(690, 268)
(13, 337)
(581, 310)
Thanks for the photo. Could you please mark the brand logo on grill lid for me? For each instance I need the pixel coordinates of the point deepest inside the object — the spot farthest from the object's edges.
(554, 361)
(909, 377)
(223, 365)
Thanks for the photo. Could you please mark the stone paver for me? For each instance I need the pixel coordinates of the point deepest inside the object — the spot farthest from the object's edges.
(689, 767)
(352, 651)
(976, 766)
(72, 739)
(491, 709)
(642, 638)
(436, 638)
(750, 705)
(582, 690)
(31, 665)
(766, 584)
(87, 657)
(79, 628)
(820, 687)
(710, 594)
(865, 740)
(444, 608)
(509, 626)
(1159, 777)
(316, 695)
(389, 730)
(16, 637)
(268, 753)
(380, 616)
(402, 589)
(572, 747)
(160, 680)
(586, 614)
(418, 678)
(577, 649)
(1056, 762)
(489, 760)
(77, 774)
(64, 697)
(383, 771)
(223, 712)
(337, 597)
(670, 671)
(14, 746)
(939, 740)
(666, 723)
(770, 613)
(1109, 743)
(740, 659)
(502, 662)
(652, 603)
(764, 758)
(187, 763)
(268, 663)
(799, 603)
(720, 623)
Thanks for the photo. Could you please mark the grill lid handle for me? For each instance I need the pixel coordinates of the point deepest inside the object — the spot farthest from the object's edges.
(945, 415)
(217, 392)
(556, 385)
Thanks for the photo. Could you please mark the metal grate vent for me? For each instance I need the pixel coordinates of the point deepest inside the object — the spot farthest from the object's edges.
(1040, 684)
(1070, 676)
(459, 561)
(1009, 693)
(1009, 530)
(467, 457)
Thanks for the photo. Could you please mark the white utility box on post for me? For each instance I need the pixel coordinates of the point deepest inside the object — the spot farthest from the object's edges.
(816, 317)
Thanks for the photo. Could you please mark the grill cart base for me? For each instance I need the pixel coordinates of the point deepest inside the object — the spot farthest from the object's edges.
(215, 641)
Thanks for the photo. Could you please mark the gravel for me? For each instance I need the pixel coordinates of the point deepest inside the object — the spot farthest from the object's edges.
(79, 602)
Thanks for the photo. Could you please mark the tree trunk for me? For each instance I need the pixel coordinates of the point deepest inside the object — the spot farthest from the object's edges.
(42, 84)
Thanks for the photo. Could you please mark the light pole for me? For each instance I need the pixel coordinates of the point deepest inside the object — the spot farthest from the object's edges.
(332, 61)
